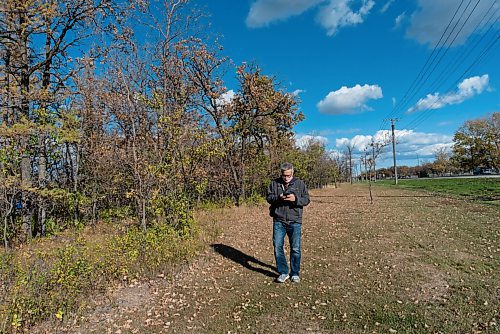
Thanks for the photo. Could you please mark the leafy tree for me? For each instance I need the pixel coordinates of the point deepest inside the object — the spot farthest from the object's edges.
(477, 143)
(313, 164)
(36, 39)
(259, 115)
(441, 163)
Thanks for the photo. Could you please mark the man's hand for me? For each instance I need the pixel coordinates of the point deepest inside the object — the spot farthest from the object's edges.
(290, 198)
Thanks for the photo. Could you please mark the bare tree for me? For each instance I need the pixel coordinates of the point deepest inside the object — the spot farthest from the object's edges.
(376, 150)
(348, 156)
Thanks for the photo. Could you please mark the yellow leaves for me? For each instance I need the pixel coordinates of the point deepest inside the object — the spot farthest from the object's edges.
(59, 315)
(26, 128)
(200, 187)
(17, 321)
(130, 194)
(70, 136)
(22, 128)
(56, 194)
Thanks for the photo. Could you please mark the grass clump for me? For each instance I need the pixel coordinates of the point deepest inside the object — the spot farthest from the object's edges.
(51, 278)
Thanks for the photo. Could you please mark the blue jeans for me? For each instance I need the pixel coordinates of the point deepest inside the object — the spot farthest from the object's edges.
(293, 231)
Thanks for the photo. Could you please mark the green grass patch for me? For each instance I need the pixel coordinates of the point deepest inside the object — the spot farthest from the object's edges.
(486, 190)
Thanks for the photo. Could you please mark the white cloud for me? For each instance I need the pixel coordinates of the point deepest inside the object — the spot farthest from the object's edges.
(349, 100)
(297, 92)
(361, 143)
(263, 12)
(399, 20)
(225, 98)
(386, 6)
(429, 151)
(418, 139)
(429, 21)
(338, 14)
(408, 144)
(337, 131)
(335, 154)
(466, 90)
(302, 141)
(333, 16)
(358, 142)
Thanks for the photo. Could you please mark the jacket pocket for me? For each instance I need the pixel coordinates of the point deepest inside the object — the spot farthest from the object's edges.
(296, 213)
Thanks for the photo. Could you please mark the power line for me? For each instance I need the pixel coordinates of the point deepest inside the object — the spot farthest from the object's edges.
(426, 113)
(480, 32)
(459, 61)
(422, 69)
(460, 58)
(449, 45)
(423, 81)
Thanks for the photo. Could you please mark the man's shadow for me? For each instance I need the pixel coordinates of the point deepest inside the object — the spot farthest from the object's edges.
(244, 259)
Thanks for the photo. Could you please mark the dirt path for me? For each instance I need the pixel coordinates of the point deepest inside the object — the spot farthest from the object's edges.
(365, 268)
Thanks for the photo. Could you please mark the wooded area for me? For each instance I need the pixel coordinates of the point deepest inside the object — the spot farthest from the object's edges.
(120, 109)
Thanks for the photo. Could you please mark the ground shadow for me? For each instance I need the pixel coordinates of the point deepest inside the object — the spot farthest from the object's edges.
(243, 259)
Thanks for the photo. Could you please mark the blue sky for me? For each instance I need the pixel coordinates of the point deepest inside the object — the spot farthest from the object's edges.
(432, 64)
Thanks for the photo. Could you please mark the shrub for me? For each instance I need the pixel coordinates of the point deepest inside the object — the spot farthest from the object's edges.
(46, 282)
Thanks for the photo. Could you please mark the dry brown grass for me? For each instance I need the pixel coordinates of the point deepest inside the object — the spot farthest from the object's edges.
(409, 263)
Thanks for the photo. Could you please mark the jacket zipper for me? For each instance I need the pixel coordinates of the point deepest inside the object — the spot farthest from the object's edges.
(283, 187)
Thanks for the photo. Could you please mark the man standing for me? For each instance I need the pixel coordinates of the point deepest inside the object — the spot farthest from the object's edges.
(287, 196)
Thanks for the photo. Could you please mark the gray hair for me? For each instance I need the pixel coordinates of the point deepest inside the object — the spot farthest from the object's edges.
(286, 166)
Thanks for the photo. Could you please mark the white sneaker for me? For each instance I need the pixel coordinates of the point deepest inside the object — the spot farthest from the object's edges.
(282, 278)
(295, 279)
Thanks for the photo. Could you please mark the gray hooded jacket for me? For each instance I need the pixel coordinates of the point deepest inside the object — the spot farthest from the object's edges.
(286, 211)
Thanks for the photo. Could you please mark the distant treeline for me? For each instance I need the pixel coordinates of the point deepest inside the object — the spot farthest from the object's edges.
(476, 150)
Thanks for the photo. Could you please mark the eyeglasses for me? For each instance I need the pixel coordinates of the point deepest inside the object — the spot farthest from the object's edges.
(286, 176)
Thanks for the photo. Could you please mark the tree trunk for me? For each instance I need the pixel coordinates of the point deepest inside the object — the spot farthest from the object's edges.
(370, 190)
(42, 158)
(26, 177)
(242, 164)
(27, 205)
(5, 241)
(42, 177)
(6, 220)
(42, 215)
(143, 211)
(94, 210)
(75, 182)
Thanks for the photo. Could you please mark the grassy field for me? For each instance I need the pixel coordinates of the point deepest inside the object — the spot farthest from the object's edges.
(485, 190)
(411, 262)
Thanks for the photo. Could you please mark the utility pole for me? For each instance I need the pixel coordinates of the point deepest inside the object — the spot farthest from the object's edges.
(394, 151)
